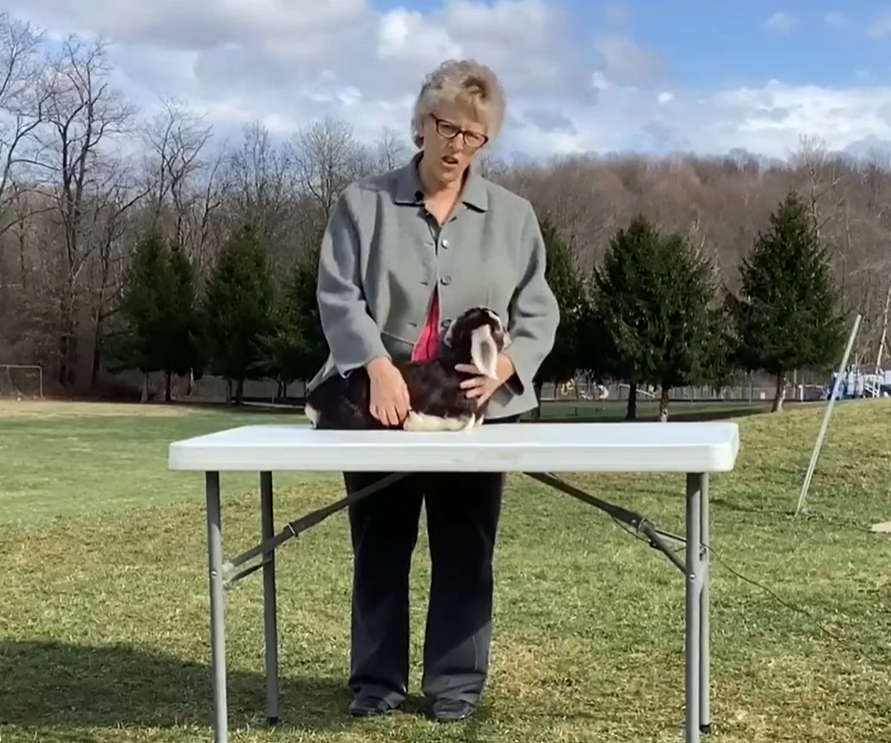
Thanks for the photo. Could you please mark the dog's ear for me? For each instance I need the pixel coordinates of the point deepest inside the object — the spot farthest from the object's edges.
(483, 350)
(449, 335)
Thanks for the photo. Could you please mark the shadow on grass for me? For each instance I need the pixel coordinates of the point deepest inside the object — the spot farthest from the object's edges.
(607, 415)
(44, 684)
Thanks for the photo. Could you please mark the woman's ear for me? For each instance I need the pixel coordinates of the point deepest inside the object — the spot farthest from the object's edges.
(484, 351)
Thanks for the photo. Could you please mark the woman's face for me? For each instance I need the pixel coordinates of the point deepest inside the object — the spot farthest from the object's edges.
(452, 139)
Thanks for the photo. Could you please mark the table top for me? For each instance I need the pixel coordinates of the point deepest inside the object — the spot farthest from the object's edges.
(524, 447)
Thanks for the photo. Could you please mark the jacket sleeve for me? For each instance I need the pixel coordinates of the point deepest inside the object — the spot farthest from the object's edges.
(533, 312)
(351, 332)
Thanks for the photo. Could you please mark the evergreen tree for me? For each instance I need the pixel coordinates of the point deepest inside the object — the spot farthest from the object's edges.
(565, 280)
(786, 316)
(632, 253)
(656, 300)
(295, 348)
(238, 308)
(181, 353)
(140, 342)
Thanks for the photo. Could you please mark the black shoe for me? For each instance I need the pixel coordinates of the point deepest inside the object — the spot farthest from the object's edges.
(452, 710)
(368, 707)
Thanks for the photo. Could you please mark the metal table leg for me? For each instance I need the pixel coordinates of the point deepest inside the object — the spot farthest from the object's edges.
(269, 600)
(217, 623)
(695, 649)
(692, 611)
(705, 720)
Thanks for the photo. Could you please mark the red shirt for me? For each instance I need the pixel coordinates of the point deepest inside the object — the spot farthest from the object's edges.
(427, 346)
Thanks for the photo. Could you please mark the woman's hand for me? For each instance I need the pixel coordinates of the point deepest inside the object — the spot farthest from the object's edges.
(389, 402)
(482, 387)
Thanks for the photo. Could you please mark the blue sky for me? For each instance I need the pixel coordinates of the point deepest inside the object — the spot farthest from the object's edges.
(711, 43)
(653, 76)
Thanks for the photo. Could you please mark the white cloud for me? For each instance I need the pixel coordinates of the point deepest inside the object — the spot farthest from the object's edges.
(615, 14)
(780, 22)
(192, 24)
(625, 60)
(836, 20)
(407, 36)
(880, 26)
(287, 64)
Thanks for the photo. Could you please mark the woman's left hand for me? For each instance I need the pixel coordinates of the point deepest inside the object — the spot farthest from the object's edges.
(482, 387)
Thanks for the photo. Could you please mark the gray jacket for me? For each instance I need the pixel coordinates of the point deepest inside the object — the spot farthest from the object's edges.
(382, 256)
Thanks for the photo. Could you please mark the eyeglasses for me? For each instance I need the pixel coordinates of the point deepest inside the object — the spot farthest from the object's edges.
(448, 130)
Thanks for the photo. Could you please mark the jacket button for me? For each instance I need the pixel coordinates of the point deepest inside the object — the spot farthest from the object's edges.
(445, 280)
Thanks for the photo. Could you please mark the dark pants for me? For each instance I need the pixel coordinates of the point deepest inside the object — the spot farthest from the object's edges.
(463, 510)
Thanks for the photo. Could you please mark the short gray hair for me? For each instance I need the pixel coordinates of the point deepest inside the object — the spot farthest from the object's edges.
(466, 83)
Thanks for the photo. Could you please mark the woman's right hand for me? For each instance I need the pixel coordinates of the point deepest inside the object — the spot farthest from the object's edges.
(389, 402)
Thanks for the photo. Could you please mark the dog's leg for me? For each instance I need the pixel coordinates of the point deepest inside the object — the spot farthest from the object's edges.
(424, 422)
(312, 414)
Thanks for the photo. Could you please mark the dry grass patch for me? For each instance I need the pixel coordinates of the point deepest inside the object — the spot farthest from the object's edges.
(27, 409)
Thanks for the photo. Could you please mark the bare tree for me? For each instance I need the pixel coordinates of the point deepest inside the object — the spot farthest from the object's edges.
(176, 138)
(822, 177)
(390, 150)
(327, 158)
(83, 113)
(23, 98)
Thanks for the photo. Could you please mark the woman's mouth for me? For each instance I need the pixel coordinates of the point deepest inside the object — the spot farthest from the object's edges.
(450, 160)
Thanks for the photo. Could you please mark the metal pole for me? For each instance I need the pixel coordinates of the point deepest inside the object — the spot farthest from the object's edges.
(819, 444)
(217, 626)
(270, 623)
(705, 715)
(693, 608)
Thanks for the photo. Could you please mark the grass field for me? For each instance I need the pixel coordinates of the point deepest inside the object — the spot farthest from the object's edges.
(104, 611)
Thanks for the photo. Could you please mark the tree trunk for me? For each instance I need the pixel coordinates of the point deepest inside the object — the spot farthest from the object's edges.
(97, 349)
(239, 391)
(145, 387)
(780, 393)
(631, 410)
(663, 404)
(168, 383)
(67, 356)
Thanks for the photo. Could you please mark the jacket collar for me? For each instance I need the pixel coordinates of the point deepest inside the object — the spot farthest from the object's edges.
(409, 190)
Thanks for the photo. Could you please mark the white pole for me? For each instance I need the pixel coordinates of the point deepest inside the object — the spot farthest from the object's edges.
(819, 445)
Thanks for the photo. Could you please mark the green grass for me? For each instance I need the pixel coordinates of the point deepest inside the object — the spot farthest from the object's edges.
(104, 609)
(679, 410)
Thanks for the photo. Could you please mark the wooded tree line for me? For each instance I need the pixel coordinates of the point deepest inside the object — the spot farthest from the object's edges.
(650, 313)
(87, 184)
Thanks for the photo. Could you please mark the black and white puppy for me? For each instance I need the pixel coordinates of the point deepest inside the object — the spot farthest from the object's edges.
(437, 400)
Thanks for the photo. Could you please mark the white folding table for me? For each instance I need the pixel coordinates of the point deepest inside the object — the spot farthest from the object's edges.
(536, 449)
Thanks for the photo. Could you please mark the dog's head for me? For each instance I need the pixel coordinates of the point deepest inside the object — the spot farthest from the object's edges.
(477, 337)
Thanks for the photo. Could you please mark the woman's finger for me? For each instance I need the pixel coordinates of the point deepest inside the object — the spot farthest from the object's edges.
(476, 391)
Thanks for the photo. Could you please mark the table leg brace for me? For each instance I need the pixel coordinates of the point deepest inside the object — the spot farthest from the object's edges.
(220, 575)
(696, 591)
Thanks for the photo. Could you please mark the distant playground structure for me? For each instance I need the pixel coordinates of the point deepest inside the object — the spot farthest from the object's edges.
(855, 383)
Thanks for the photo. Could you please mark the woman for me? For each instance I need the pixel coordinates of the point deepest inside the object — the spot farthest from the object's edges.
(403, 254)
